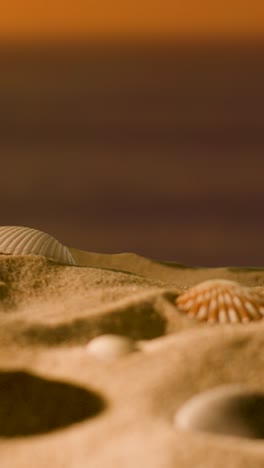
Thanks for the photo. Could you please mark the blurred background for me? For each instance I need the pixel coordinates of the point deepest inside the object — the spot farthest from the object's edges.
(137, 127)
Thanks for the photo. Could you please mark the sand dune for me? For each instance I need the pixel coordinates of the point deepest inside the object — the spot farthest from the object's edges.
(66, 408)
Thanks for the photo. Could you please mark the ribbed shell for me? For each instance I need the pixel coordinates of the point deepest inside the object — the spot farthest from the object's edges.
(23, 240)
(221, 301)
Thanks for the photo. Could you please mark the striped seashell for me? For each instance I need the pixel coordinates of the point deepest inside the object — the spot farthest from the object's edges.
(21, 240)
(221, 301)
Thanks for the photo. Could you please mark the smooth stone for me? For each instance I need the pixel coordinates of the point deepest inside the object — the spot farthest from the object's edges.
(110, 346)
(231, 410)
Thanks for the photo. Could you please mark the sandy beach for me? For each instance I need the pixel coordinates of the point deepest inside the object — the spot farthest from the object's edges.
(64, 407)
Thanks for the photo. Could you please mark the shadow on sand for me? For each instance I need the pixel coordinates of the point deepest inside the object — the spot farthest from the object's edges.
(33, 405)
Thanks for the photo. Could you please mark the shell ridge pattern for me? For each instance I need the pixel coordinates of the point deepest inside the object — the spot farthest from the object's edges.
(25, 242)
(69, 255)
(7, 235)
(58, 250)
(22, 240)
(51, 247)
(15, 242)
(45, 245)
(11, 241)
(33, 242)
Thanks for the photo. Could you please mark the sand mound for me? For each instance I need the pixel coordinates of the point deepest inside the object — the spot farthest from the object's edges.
(71, 408)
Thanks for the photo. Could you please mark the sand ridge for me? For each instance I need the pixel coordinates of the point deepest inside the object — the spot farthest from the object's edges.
(115, 413)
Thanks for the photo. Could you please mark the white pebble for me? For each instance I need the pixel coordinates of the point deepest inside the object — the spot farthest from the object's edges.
(232, 410)
(110, 346)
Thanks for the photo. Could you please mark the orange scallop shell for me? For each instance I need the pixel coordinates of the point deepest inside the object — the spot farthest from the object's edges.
(221, 301)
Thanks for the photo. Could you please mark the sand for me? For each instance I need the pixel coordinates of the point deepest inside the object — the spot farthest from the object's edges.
(62, 406)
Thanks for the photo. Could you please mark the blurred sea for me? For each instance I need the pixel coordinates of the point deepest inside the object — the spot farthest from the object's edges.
(155, 149)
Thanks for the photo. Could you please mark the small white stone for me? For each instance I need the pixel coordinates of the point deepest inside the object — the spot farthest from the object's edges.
(110, 346)
(232, 410)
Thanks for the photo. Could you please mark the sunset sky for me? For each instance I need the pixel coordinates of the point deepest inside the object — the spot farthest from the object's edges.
(121, 147)
(117, 18)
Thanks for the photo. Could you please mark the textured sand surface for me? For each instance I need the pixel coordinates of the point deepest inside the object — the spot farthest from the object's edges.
(65, 408)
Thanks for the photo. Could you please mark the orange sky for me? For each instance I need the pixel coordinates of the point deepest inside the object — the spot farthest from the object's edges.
(111, 18)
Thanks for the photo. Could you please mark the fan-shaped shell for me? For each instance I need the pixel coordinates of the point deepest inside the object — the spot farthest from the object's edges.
(23, 240)
(221, 301)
